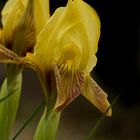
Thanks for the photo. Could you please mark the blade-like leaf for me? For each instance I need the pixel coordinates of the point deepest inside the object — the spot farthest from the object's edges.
(7, 96)
(47, 126)
(29, 119)
(92, 133)
(8, 107)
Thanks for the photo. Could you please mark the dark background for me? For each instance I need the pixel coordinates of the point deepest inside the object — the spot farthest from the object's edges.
(117, 71)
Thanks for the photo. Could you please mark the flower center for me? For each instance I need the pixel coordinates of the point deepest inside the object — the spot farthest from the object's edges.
(69, 54)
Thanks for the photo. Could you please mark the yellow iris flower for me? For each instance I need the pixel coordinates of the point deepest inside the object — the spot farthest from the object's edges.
(65, 47)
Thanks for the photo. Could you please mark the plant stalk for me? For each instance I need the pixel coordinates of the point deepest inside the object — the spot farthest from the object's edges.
(8, 108)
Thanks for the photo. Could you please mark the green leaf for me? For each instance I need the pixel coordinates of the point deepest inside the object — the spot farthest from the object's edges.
(47, 127)
(92, 133)
(7, 96)
(8, 107)
(29, 119)
(3, 112)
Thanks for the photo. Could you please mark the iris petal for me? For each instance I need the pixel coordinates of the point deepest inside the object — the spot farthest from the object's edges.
(13, 11)
(42, 13)
(69, 84)
(24, 34)
(77, 23)
(11, 14)
(8, 56)
(96, 95)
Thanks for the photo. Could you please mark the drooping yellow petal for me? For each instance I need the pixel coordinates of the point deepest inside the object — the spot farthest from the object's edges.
(69, 84)
(76, 25)
(96, 95)
(7, 56)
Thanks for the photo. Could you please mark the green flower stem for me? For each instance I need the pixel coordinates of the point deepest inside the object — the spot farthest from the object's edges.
(8, 108)
(48, 124)
(47, 127)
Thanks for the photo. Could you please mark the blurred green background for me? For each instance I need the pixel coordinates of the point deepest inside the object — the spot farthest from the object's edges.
(117, 70)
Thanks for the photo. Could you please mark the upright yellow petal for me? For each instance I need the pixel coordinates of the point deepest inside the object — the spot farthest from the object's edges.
(24, 34)
(14, 9)
(11, 14)
(11, 5)
(46, 48)
(77, 26)
(42, 13)
(91, 23)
